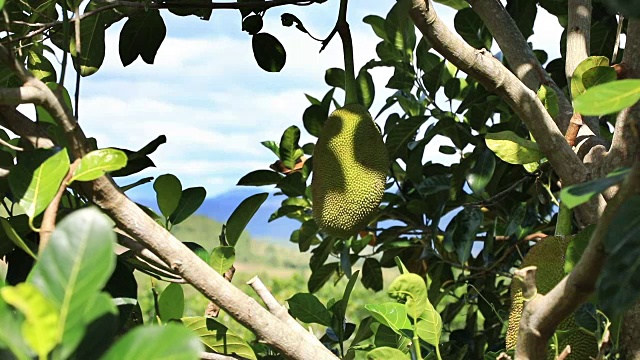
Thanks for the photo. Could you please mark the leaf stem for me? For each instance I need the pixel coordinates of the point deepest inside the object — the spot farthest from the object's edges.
(350, 88)
(564, 222)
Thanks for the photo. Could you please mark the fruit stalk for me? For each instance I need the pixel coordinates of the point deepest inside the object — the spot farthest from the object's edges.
(350, 87)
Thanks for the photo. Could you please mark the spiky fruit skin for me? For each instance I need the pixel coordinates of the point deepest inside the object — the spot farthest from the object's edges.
(350, 165)
(549, 255)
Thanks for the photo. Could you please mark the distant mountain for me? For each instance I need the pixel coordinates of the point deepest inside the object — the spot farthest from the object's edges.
(220, 207)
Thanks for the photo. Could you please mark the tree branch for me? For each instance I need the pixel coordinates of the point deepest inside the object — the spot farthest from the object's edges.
(520, 56)
(578, 35)
(182, 261)
(495, 77)
(542, 315)
(12, 119)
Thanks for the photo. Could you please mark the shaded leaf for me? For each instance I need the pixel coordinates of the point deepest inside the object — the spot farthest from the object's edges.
(577, 85)
(289, 147)
(268, 52)
(335, 77)
(169, 342)
(482, 171)
(171, 302)
(386, 353)
(190, 201)
(142, 34)
(242, 215)
(372, 274)
(308, 309)
(29, 248)
(260, 178)
(578, 194)
(217, 338)
(168, 193)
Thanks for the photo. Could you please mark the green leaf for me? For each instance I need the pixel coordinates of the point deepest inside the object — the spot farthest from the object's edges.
(91, 56)
(412, 290)
(168, 193)
(366, 88)
(308, 309)
(524, 14)
(320, 276)
(217, 338)
(142, 34)
(463, 230)
(622, 267)
(377, 24)
(455, 4)
(608, 98)
(400, 29)
(42, 114)
(402, 133)
(41, 67)
(293, 184)
(579, 194)
(577, 85)
(29, 248)
(171, 302)
(97, 163)
(391, 314)
(260, 178)
(271, 145)
(11, 339)
(289, 146)
(482, 171)
(598, 75)
(513, 149)
(372, 274)
(335, 77)
(576, 248)
(222, 258)
(190, 201)
(314, 118)
(429, 325)
(35, 180)
(74, 267)
(169, 342)
(198, 250)
(242, 215)
(549, 99)
(39, 329)
(268, 52)
(386, 353)
(471, 28)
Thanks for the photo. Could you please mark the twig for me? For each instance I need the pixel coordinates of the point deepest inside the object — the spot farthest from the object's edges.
(19, 124)
(12, 147)
(49, 217)
(215, 356)
(565, 353)
(574, 126)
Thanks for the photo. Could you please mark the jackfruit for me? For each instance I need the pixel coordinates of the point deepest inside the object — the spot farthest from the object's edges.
(549, 255)
(350, 165)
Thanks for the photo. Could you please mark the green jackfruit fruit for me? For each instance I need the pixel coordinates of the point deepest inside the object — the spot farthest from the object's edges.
(350, 165)
(549, 255)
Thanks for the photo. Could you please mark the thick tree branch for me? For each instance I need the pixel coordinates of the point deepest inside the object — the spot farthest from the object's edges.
(520, 56)
(495, 77)
(542, 315)
(12, 119)
(578, 35)
(182, 261)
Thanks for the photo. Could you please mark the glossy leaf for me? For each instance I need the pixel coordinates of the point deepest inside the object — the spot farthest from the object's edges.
(142, 34)
(482, 171)
(74, 267)
(171, 302)
(399, 28)
(268, 52)
(260, 178)
(41, 67)
(169, 342)
(366, 88)
(471, 28)
(372, 274)
(242, 215)
(391, 314)
(578, 194)
(429, 325)
(97, 163)
(513, 149)
(289, 149)
(622, 268)
(608, 98)
(335, 77)
(217, 338)
(35, 180)
(190, 201)
(222, 258)
(168, 193)
(598, 75)
(308, 309)
(377, 24)
(40, 327)
(319, 276)
(577, 85)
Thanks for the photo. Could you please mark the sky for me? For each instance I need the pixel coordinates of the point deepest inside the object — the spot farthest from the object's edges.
(206, 93)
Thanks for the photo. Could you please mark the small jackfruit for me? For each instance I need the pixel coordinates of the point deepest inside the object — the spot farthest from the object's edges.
(350, 165)
(549, 256)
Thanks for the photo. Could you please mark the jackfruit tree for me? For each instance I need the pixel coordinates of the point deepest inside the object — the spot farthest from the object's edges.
(487, 181)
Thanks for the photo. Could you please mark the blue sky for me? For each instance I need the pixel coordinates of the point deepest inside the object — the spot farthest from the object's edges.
(208, 96)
